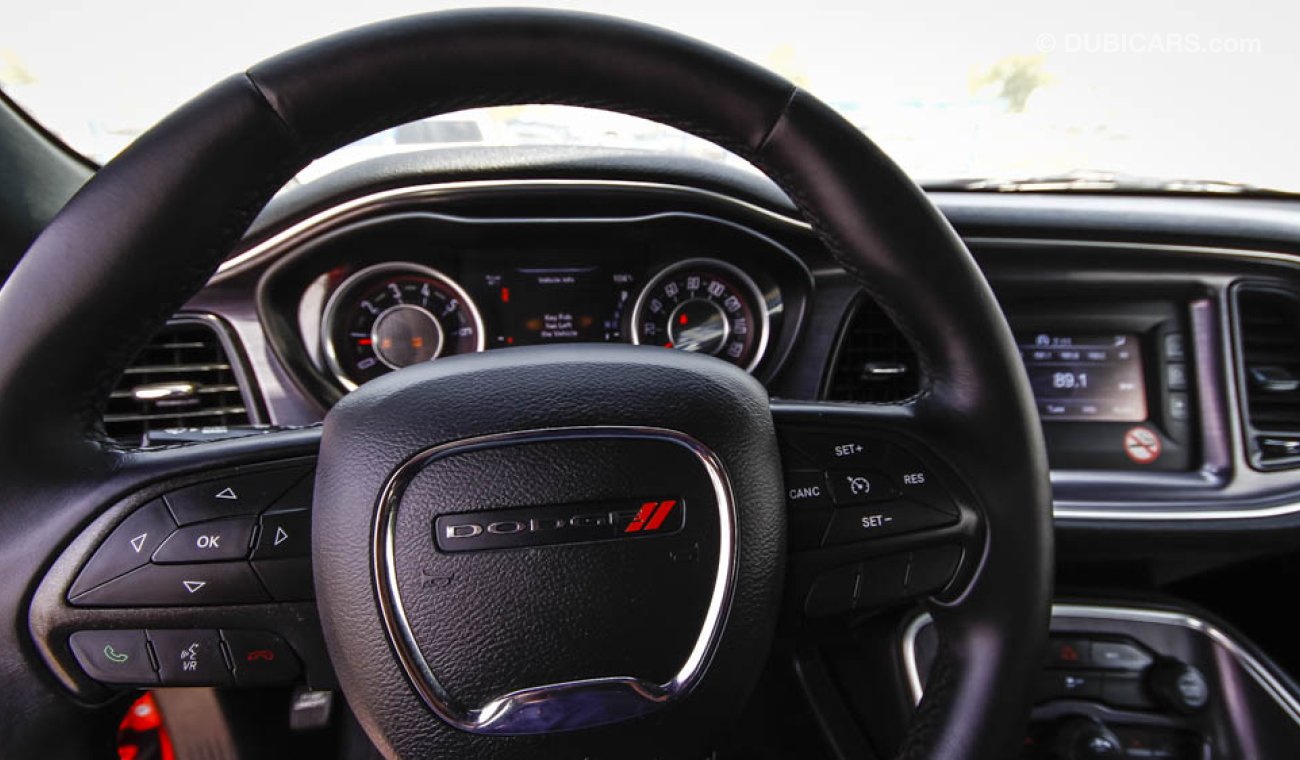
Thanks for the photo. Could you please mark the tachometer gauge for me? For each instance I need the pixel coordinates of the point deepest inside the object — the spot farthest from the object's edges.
(390, 316)
(706, 306)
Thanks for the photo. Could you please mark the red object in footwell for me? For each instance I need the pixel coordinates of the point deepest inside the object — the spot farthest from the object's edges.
(141, 734)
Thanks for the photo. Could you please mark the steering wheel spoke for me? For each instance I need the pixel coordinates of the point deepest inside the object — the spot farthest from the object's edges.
(876, 515)
(198, 574)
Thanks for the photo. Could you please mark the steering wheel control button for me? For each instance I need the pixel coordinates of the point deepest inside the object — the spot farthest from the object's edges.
(859, 486)
(833, 592)
(288, 580)
(806, 488)
(284, 534)
(916, 481)
(832, 449)
(807, 527)
(883, 581)
(114, 657)
(232, 496)
(179, 586)
(864, 523)
(932, 569)
(128, 547)
(211, 541)
(190, 658)
(260, 658)
(297, 498)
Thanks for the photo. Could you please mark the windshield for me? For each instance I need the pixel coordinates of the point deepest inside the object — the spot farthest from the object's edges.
(1194, 95)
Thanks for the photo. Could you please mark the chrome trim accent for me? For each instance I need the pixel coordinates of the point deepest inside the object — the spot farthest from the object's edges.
(331, 305)
(617, 698)
(747, 282)
(159, 391)
(1155, 515)
(1258, 672)
(1203, 250)
(359, 207)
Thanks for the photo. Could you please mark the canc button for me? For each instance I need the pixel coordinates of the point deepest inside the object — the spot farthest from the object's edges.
(806, 488)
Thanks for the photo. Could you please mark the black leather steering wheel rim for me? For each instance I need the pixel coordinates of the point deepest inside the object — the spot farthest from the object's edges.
(153, 225)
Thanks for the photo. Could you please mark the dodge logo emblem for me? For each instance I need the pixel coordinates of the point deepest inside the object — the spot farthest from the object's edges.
(559, 524)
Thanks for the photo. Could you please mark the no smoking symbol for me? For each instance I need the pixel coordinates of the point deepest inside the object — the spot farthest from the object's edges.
(1142, 445)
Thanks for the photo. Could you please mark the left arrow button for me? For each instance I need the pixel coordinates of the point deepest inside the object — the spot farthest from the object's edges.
(129, 546)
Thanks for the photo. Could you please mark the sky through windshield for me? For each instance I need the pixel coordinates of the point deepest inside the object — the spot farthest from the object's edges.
(1193, 89)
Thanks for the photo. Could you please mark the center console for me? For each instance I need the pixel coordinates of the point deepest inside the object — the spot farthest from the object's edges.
(1131, 682)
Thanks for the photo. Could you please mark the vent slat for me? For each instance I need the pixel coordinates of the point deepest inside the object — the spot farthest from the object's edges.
(875, 363)
(1269, 324)
(187, 353)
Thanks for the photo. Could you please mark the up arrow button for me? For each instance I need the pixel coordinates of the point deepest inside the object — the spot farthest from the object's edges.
(232, 496)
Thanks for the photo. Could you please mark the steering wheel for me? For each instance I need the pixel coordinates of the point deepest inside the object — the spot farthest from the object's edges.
(577, 551)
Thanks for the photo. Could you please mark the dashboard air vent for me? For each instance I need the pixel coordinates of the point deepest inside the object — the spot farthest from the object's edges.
(873, 362)
(186, 377)
(1268, 327)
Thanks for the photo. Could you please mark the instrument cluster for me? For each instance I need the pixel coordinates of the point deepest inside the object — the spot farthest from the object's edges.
(393, 293)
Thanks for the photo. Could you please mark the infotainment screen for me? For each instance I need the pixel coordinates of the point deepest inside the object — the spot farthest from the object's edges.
(1080, 376)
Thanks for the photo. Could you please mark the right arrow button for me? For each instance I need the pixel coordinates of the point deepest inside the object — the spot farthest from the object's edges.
(284, 534)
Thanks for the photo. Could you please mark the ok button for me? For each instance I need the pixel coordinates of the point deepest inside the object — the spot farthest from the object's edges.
(208, 541)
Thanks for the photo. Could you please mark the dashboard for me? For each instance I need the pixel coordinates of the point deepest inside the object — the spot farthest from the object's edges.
(1161, 338)
(1131, 344)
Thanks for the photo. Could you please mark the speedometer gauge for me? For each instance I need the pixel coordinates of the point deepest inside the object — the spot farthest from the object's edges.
(704, 306)
(390, 316)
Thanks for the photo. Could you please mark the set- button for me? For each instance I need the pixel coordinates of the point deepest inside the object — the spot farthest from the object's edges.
(242, 539)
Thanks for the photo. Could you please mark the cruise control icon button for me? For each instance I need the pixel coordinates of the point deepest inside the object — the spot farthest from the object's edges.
(858, 486)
